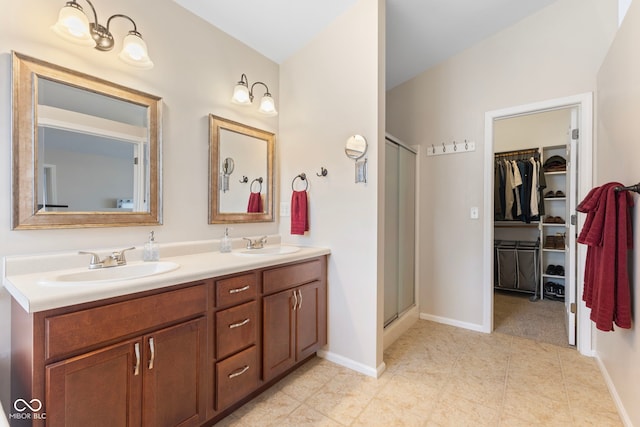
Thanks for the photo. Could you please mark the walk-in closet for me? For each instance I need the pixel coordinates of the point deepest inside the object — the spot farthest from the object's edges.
(533, 261)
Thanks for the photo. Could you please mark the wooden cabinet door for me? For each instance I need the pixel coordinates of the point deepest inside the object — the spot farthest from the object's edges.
(311, 329)
(278, 334)
(101, 388)
(174, 376)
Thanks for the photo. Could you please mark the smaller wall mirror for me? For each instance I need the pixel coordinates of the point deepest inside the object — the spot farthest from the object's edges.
(86, 151)
(246, 152)
(355, 149)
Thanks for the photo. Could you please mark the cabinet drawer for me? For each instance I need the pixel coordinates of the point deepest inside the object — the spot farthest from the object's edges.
(292, 275)
(235, 290)
(71, 332)
(237, 376)
(236, 328)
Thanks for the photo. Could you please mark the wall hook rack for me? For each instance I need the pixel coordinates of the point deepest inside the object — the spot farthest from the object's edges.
(244, 179)
(323, 171)
(451, 148)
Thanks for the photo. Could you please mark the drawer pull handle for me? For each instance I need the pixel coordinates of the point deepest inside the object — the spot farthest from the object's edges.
(237, 325)
(152, 347)
(300, 300)
(136, 349)
(295, 300)
(237, 290)
(240, 372)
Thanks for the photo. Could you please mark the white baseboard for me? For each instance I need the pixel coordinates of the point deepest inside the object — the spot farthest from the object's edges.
(614, 393)
(352, 364)
(453, 322)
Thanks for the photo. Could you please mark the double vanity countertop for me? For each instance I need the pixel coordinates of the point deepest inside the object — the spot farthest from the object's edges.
(35, 292)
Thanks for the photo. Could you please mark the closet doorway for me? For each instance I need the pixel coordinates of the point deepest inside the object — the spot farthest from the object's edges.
(400, 230)
(533, 205)
(551, 132)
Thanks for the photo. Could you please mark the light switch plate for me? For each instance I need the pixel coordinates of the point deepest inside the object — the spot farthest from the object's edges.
(474, 213)
(285, 209)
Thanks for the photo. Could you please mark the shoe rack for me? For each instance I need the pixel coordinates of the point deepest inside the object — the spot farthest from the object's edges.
(553, 228)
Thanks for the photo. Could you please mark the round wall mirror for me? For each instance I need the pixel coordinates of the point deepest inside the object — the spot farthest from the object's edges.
(227, 166)
(356, 147)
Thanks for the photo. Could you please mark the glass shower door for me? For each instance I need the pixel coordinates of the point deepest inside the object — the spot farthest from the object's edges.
(399, 272)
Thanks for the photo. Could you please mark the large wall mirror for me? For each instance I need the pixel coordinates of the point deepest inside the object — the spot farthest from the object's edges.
(240, 172)
(86, 152)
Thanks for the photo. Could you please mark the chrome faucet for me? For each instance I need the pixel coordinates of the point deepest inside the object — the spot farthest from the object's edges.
(115, 259)
(257, 243)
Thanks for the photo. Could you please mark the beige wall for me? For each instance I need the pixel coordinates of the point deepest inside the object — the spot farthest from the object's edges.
(551, 54)
(544, 129)
(618, 159)
(330, 90)
(196, 67)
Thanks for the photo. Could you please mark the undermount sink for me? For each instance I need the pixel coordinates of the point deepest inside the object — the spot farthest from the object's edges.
(111, 274)
(268, 250)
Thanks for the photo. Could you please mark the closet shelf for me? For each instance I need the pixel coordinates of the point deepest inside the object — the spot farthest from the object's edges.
(552, 276)
(553, 199)
(516, 224)
(553, 224)
(553, 250)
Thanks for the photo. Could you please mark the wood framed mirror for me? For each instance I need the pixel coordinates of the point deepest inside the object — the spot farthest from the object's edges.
(86, 152)
(243, 193)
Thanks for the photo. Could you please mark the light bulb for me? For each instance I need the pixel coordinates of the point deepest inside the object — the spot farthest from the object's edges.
(241, 94)
(134, 51)
(73, 25)
(268, 105)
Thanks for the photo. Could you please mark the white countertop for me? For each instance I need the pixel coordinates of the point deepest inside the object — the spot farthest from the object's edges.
(24, 285)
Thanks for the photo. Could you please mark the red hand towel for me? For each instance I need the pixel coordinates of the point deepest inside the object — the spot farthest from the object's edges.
(608, 233)
(255, 203)
(299, 212)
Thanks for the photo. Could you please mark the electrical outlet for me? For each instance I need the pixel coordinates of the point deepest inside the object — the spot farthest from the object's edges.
(285, 209)
(474, 214)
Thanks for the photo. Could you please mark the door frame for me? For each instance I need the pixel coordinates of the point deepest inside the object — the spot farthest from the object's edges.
(584, 102)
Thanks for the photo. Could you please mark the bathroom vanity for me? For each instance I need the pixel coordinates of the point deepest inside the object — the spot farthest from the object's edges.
(184, 348)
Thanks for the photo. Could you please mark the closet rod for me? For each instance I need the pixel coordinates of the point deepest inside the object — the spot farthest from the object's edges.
(517, 152)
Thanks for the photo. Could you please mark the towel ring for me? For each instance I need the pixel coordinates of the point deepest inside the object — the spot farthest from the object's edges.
(259, 181)
(302, 177)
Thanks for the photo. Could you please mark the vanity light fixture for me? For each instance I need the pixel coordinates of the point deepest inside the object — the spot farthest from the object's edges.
(74, 26)
(242, 95)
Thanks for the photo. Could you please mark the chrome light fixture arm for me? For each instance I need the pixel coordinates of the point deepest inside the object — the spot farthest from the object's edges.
(259, 83)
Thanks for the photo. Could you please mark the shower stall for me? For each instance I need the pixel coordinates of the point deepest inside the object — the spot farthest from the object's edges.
(400, 229)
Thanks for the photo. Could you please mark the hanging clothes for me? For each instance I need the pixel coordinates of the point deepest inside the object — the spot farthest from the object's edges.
(533, 201)
(508, 192)
(498, 183)
(519, 181)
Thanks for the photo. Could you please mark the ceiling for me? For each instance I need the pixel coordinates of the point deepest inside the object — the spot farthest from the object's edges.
(420, 33)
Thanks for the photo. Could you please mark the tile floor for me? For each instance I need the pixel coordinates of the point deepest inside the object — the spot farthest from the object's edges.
(439, 375)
